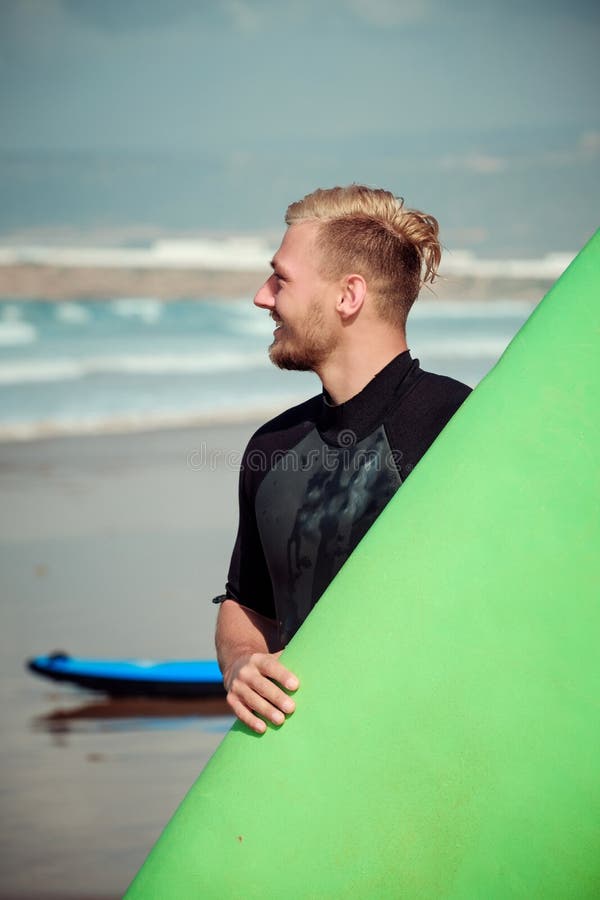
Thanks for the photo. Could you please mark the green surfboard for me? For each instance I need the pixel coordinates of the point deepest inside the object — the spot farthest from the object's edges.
(447, 733)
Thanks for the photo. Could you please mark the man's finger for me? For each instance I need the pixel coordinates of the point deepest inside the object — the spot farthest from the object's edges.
(264, 687)
(249, 702)
(256, 700)
(246, 716)
(270, 667)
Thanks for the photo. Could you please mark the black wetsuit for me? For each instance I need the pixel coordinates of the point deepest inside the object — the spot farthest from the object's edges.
(315, 478)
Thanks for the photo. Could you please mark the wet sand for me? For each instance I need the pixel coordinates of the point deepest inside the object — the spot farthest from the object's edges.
(109, 546)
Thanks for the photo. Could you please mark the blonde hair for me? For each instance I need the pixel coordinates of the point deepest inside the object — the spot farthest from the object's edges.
(369, 231)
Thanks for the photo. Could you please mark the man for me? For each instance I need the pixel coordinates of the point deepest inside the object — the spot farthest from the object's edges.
(314, 479)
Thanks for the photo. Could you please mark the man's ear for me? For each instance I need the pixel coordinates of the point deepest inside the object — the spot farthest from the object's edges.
(352, 296)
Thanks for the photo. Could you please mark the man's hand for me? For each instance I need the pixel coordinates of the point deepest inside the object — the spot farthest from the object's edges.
(248, 655)
(252, 687)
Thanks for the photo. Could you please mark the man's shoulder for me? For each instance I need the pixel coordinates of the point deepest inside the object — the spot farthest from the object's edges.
(433, 389)
(421, 413)
(428, 400)
(286, 426)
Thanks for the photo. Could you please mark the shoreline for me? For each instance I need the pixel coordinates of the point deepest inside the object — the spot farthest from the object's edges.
(33, 433)
(29, 281)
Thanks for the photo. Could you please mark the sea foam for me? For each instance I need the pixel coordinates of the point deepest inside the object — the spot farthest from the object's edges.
(252, 253)
(16, 333)
(71, 368)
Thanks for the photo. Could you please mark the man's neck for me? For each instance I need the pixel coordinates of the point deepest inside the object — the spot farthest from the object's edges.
(346, 374)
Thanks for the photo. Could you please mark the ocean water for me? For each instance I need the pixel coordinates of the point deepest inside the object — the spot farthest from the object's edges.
(130, 364)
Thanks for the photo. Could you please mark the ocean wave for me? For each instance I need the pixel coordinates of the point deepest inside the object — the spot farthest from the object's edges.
(232, 253)
(148, 310)
(464, 263)
(469, 309)
(72, 313)
(64, 369)
(15, 372)
(255, 327)
(15, 333)
(469, 348)
(252, 253)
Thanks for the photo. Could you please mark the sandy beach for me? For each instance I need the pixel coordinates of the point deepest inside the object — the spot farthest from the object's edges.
(110, 545)
(46, 282)
(81, 283)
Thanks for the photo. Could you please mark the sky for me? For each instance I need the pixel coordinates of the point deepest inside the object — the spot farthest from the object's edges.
(145, 115)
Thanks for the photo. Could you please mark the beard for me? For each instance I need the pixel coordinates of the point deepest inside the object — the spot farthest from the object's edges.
(303, 347)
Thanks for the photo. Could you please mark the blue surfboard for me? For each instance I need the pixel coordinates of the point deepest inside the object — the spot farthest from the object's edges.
(134, 677)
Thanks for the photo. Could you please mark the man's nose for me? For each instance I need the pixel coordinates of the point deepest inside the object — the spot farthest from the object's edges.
(264, 296)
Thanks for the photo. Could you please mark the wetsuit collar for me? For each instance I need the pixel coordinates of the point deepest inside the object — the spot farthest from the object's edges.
(353, 420)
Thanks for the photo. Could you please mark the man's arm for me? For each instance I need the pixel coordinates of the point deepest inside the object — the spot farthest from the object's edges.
(248, 655)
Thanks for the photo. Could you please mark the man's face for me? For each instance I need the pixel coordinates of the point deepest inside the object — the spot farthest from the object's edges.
(301, 303)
